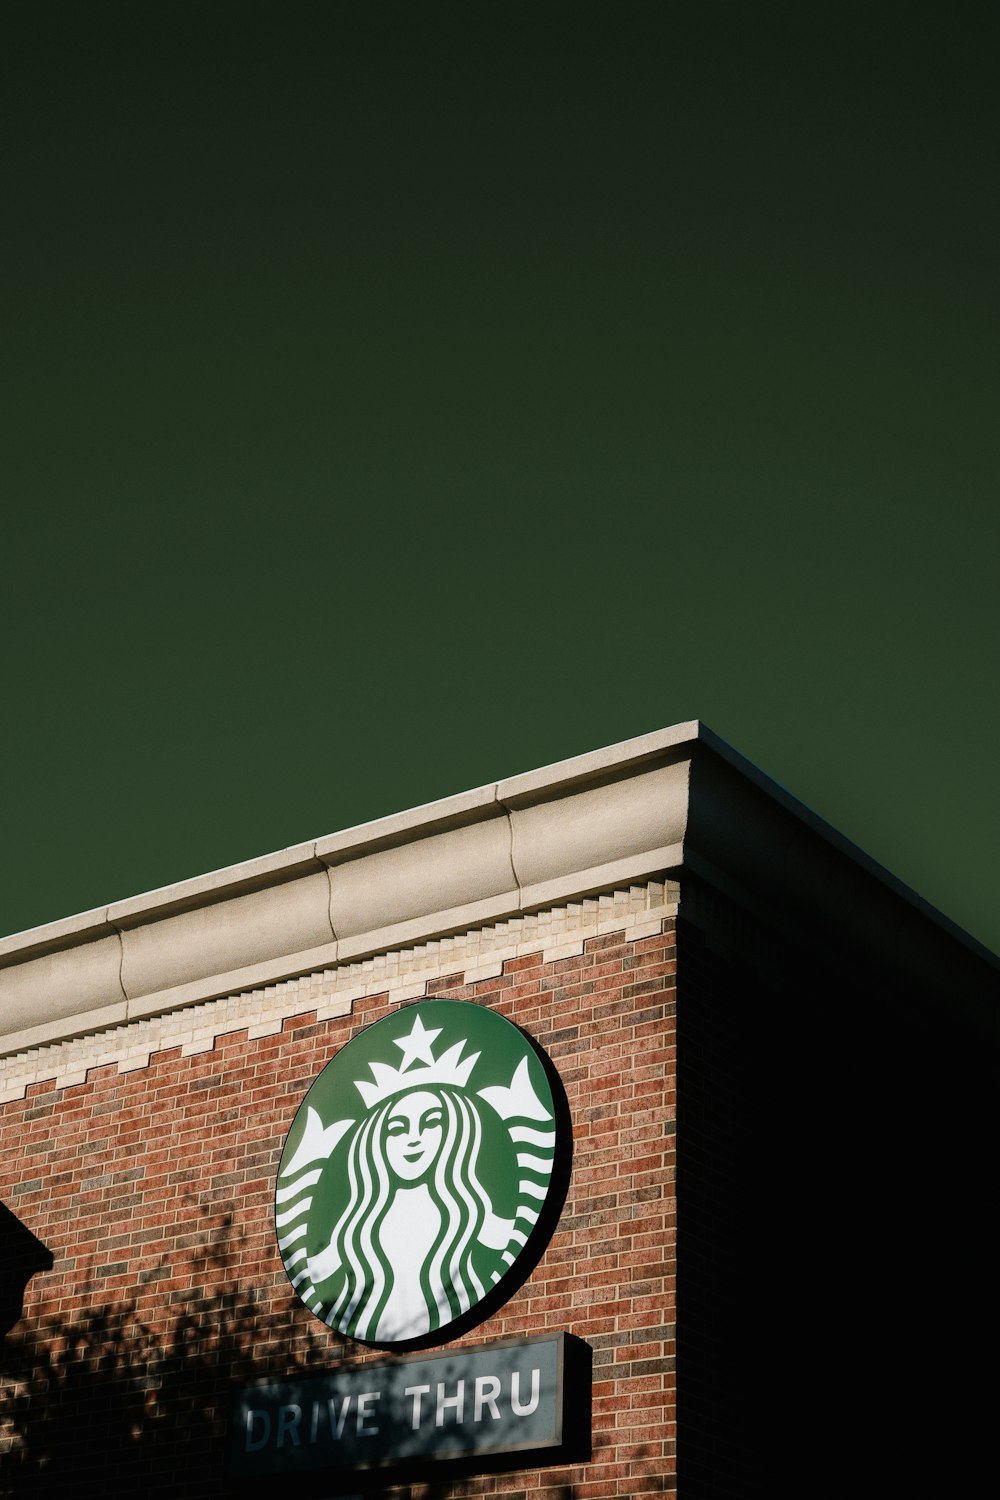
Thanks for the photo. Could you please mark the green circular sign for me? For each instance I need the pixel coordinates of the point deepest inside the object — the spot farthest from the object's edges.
(415, 1170)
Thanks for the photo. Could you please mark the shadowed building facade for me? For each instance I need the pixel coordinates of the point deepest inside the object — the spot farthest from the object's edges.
(767, 1244)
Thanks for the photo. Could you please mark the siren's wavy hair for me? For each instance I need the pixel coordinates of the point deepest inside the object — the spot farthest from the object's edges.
(448, 1277)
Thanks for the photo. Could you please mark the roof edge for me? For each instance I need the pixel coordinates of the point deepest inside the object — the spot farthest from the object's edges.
(647, 808)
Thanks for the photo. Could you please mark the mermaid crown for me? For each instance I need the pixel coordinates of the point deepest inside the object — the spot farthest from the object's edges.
(449, 1068)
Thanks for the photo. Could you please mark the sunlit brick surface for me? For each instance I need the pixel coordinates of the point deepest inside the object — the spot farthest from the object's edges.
(153, 1190)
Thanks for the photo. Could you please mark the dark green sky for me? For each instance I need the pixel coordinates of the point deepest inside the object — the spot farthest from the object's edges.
(401, 396)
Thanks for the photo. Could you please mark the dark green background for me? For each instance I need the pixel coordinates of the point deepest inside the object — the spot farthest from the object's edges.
(402, 396)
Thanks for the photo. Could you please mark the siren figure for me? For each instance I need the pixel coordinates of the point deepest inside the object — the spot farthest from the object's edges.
(405, 1247)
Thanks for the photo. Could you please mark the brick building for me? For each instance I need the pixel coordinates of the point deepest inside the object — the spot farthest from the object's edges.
(778, 1064)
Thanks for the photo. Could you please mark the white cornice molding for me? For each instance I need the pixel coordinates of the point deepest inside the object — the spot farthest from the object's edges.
(402, 974)
(675, 801)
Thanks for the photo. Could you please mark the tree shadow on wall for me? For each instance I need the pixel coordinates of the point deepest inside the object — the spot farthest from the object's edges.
(118, 1398)
(133, 1397)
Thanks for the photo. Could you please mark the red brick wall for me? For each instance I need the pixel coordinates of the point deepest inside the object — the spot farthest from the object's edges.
(153, 1189)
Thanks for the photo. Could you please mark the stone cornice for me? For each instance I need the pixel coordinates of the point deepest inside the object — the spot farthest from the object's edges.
(673, 801)
(400, 974)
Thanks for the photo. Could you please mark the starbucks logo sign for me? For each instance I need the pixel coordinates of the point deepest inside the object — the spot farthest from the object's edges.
(415, 1171)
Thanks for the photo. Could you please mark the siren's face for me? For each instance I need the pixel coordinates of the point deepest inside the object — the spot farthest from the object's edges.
(413, 1134)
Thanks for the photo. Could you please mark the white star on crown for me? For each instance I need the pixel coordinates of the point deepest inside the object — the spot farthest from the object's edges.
(417, 1045)
(450, 1067)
